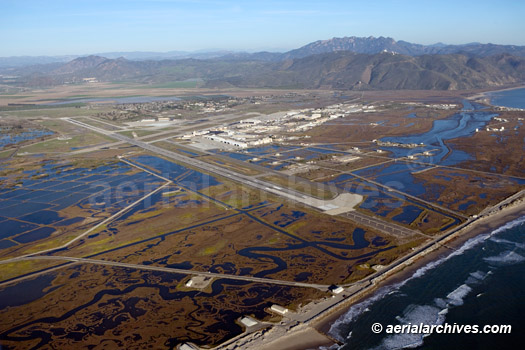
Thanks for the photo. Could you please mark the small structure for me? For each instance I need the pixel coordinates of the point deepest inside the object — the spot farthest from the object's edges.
(279, 309)
(248, 321)
(336, 289)
(378, 267)
(198, 282)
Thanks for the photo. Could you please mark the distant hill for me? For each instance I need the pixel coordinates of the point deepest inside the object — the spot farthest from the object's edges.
(368, 45)
(24, 61)
(81, 64)
(333, 70)
(347, 70)
(344, 70)
(339, 63)
(373, 45)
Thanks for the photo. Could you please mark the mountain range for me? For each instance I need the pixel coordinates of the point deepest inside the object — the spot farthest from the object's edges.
(368, 45)
(339, 63)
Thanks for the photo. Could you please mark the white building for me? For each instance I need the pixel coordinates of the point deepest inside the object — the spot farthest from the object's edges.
(200, 132)
(227, 141)
(279, 309)
(247, 321)
(261, 141)
(338, 290)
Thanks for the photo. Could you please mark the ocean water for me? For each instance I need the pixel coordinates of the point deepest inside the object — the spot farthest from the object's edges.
(481, 283)
(508, 98)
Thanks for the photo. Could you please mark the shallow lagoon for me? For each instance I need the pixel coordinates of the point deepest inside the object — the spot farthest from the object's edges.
(31, 134)
(34, 211)
(462, 124)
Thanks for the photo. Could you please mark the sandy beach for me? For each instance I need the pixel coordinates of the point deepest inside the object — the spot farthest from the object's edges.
(311, 334)
(482, 97)
(482, 226)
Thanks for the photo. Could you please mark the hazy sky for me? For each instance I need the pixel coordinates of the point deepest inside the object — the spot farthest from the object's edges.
(56, 27)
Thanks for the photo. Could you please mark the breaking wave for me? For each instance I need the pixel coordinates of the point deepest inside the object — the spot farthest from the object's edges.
(507, 242)
(508, 257)
(436, 313)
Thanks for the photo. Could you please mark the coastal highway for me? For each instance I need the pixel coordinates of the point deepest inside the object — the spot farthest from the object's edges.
(323, 287)
(498, 206)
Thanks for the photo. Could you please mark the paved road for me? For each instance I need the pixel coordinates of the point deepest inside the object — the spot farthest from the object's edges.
(502, 203)
(380, 225)
(433, 206)
(87, 126)
(191, 126)
(105, 221)
(206, 167)
(96, 120)
(222, 171)
(181, 271)
(249, 180)
(414, 198)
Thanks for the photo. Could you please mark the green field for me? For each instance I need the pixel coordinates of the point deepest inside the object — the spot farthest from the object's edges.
(56, 145)
(55, 112)
(177, 85)
(33, 107)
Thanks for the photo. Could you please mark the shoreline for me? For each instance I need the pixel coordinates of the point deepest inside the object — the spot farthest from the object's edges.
(306, 335)
(483, 97)
(482, 226)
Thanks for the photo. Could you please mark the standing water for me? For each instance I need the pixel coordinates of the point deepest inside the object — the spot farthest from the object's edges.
(482, 283)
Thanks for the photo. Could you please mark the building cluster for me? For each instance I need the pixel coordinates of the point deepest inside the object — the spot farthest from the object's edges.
(159, 111)
(444, 106)
(397, 144)
(510, 109)
(495, 129)
(90, 80)
(265, 129)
